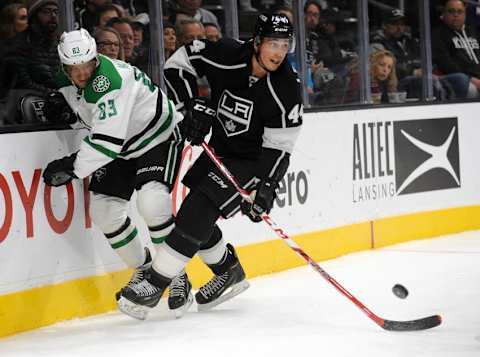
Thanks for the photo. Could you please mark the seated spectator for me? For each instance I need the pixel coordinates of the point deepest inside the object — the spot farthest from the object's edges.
(33, 55)
(394, 37)
(13, 19)
(169, 39)
(140, 28)
(212, 32)
(124, 28)
(193, 8)
(455, 46)
(312, 19)
(383, 75)
(109, 42)
(189, 30)
(105, 13)
(87, 17)
(383, 78)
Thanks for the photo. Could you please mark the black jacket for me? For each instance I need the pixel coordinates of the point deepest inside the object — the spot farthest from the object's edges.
(34, 59)
(456, 51)
(406, 50)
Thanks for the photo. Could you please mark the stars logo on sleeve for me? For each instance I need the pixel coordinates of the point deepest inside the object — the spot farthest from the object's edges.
(101, 84)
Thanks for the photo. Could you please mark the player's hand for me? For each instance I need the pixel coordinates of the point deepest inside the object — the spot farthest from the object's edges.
(197, 121)
(59, 172)
(262, 201)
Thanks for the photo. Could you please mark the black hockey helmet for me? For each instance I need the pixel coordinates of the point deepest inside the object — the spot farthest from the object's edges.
(275, 26)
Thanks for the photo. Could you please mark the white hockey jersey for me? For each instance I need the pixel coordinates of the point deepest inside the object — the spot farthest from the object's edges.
(126, 113)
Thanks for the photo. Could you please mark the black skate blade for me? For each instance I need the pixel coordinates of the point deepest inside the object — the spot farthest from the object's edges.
(232, 292)
(180, 311)
(131, 309)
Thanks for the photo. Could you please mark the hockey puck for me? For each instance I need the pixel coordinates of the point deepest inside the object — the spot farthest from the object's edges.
(400, 291)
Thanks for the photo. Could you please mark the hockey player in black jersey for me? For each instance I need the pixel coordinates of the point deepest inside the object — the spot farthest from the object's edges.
(255, 114)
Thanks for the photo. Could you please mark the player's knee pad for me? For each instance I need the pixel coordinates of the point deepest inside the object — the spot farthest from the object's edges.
(154, 203)
(108, 213)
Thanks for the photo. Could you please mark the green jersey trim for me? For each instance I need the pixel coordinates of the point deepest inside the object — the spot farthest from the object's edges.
(104, 80)
(166, 124)
(101, 148)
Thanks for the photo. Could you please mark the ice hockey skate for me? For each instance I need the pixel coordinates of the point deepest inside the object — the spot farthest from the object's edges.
(137, 299)
(139, 273)
(228, 281)
(180, 296)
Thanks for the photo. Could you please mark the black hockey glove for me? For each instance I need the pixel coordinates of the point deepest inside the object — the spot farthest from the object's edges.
(263, 198)
(197, 121)
(59, 172)
(57, 110)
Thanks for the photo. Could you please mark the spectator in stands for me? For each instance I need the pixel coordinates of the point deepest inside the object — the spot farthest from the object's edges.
(33, 55)
(105, 13)
(394, 37)
(109, 42)
(193, 9)
(312, 19)
(13, 19)
(169, 39)
(329, 51)
(383, 78)
(212, 32)
(189, 30)
(455, 45)
(383, 75)
(139, 25)
(124, 28)
(88, 16)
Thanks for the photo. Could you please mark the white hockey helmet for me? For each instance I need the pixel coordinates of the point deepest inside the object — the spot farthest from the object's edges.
(76, 47)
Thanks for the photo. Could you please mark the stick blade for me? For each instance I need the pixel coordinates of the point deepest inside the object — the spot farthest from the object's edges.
(413, 325)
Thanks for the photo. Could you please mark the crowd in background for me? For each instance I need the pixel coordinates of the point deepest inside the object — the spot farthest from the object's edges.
(29, 33)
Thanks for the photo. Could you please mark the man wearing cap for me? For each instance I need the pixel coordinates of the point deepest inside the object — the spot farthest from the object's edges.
(395, 38)
(33, 56)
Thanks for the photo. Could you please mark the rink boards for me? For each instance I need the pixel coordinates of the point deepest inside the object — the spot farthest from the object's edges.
(358, 180)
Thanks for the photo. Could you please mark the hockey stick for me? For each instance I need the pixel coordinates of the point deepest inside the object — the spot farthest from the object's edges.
(391, 325)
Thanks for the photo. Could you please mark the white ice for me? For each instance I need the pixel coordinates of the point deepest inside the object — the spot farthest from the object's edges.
(297, 311)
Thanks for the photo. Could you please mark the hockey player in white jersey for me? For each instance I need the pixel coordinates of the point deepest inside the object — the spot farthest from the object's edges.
(255, 114)
(133, 144)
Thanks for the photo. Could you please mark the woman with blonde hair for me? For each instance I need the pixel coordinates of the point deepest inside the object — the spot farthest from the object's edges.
(109, 42)
(383, 75)
(383, 78)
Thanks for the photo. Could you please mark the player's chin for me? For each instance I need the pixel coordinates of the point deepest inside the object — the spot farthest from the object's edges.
(273, 66)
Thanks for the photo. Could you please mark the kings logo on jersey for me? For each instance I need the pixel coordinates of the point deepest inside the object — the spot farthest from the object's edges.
(234, 113)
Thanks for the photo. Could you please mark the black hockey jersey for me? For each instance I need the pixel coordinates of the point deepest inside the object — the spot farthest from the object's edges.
(252, 115)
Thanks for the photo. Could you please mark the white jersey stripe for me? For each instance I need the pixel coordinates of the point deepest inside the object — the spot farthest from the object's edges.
(218, 65)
